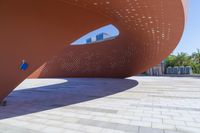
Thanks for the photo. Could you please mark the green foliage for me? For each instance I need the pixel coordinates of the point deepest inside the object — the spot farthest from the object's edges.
(183, 59)
(170, 61)
(196, 56)
(196, 68)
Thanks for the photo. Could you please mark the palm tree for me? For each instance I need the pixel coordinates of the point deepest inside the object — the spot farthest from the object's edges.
(170, 61)
(196, 61)
(182, 59)
(196, 56)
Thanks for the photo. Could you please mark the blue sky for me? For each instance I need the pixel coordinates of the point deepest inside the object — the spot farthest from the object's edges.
(191, 37)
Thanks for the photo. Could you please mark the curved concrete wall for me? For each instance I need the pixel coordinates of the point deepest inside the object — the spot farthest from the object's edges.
(36, 30)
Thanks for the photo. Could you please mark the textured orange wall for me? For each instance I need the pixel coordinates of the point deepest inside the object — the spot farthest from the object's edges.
(149, 31)
(36, 30)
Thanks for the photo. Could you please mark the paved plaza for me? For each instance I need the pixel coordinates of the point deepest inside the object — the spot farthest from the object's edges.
(98, 105)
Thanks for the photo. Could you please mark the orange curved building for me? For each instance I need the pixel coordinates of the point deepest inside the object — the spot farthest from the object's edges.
(38, 31)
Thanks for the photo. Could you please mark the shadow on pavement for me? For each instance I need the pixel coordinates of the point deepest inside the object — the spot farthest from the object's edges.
(73, 91)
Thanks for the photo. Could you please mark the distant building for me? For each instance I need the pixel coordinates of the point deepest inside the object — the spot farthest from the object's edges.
(157, 70)
(160, 70)
(102, 36)
(89, 40)
(99, 38)
(179, 70)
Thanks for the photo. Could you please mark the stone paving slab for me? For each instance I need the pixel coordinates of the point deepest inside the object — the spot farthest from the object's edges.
(98, 105)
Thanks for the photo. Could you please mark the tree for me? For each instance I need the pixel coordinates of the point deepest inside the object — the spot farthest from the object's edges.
(196, 56)
(183, 59)
(196, 62)
(170, 61)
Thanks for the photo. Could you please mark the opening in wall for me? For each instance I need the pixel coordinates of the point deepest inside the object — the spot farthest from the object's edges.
(105, 33)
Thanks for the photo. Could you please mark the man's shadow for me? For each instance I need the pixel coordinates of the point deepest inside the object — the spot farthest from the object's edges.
(72, 91)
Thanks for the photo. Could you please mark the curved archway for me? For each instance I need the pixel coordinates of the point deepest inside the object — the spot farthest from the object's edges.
(149, 31)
